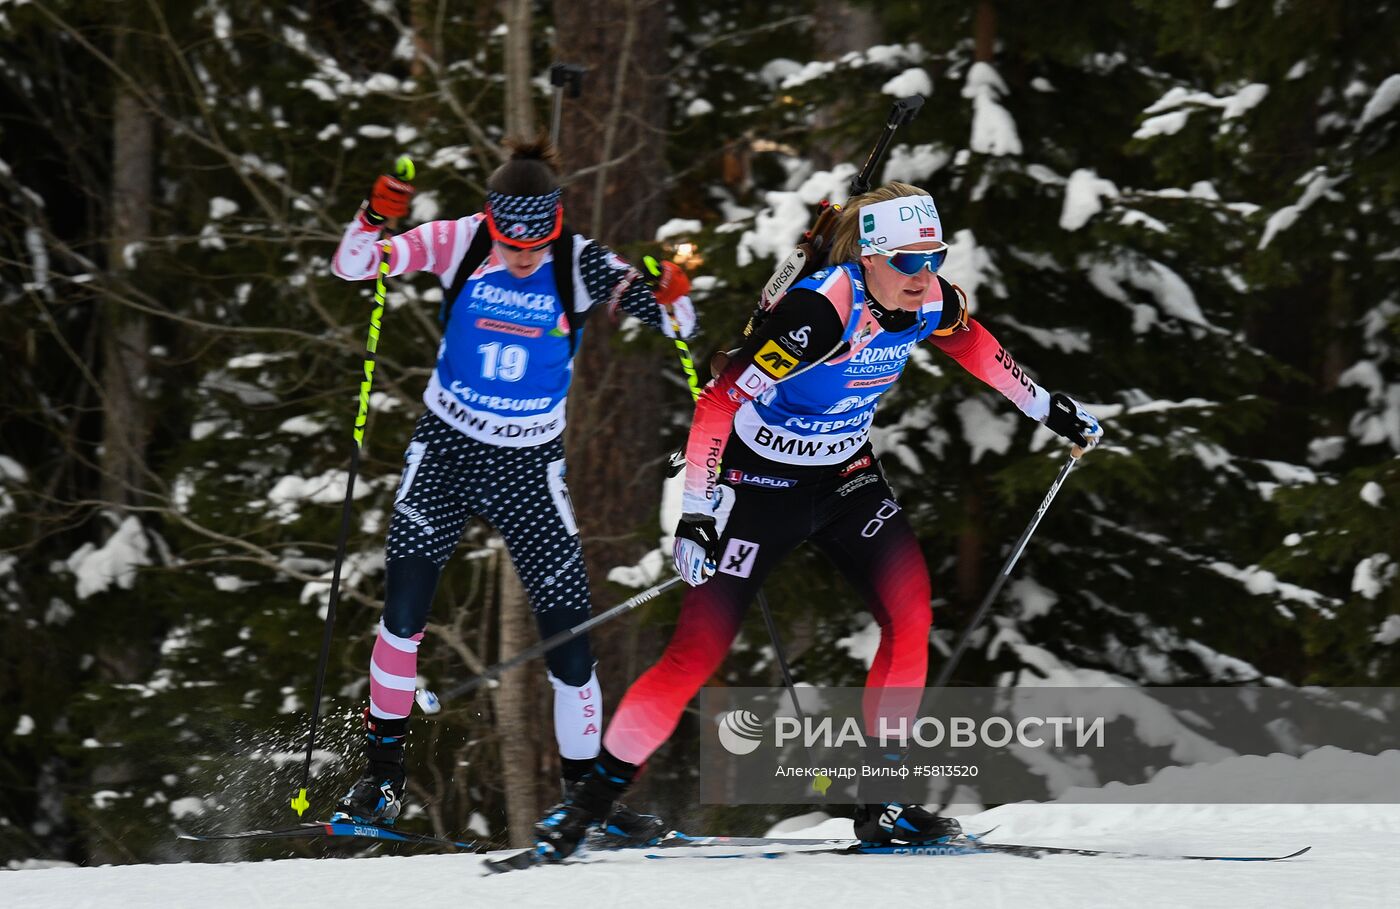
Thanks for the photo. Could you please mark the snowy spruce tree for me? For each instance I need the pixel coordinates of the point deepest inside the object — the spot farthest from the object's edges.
(167, 641)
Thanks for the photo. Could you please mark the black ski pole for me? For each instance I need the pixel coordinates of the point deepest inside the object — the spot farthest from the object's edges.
(404, 170)
(951, 663)
(554, 640)
(821, 782)
(781, 655)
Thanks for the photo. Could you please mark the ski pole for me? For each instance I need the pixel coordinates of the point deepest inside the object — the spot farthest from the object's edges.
(404, 170)
(549, 643)
(780, 654)
(653, 268)
(947, 671)
(563, 76)
(687, 362)
(821, 782)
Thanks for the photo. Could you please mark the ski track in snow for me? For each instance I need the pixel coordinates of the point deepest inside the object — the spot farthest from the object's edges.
(1352, 864)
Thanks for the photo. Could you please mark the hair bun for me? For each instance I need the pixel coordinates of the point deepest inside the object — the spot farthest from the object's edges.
(536, 149)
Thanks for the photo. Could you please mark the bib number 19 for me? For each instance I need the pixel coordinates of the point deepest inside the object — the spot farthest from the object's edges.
(502, 361)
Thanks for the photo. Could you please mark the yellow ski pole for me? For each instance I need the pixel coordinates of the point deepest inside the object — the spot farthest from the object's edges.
(653, 268)
(404, 170)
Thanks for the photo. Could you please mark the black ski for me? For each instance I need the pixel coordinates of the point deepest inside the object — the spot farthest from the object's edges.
(527, 858)
(317, 829)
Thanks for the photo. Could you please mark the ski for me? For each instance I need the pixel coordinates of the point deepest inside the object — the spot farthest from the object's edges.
(527, 858)
(977, 848)
(598, 845)
(677, 839)
(317, 829)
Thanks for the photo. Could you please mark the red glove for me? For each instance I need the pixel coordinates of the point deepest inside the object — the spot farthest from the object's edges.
(667, 279)
(388, 199)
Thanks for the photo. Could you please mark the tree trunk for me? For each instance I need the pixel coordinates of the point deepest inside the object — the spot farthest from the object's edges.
(984, 32)
(972, 536)
(969, 547)
(519, 734)
(126, 333)
(127, 656)
(421, 17)
(840, 28)
(520, 109)
(617, 398)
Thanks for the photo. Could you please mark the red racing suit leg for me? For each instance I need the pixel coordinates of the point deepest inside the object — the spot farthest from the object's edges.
(855, 521)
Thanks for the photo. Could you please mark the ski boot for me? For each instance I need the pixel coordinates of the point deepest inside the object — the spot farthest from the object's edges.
(588, 804)
(625, 827)
(377, 796)
(892, 822)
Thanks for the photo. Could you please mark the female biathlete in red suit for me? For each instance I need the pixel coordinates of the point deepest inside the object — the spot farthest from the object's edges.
(790, 416)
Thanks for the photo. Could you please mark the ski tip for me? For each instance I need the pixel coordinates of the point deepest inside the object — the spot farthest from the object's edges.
(972, 837)
(519, 861)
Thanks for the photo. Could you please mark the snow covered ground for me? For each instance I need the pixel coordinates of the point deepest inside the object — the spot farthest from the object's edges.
(1355, 862)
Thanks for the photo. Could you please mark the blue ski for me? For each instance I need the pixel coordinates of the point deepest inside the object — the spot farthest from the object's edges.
(317, 829)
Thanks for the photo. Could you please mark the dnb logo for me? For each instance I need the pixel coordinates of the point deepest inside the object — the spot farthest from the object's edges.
(740, 732)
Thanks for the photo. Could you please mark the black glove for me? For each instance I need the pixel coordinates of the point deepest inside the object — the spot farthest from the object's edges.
(1068, 420)
(696, 550)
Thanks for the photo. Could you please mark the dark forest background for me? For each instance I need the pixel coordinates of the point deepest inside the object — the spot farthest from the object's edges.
(1182, 212)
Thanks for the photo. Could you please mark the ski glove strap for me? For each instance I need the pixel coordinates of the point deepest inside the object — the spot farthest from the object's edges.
(1071, 421)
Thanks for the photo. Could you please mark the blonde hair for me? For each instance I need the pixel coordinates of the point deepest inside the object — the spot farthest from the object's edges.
(845, 244)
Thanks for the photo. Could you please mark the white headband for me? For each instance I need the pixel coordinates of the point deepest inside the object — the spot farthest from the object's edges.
(895, 223)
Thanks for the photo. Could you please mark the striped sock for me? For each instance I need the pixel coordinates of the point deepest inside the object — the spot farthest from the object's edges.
(393, 674)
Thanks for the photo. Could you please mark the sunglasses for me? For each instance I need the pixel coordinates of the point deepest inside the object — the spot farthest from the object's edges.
(517, 248)
(910, 263)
